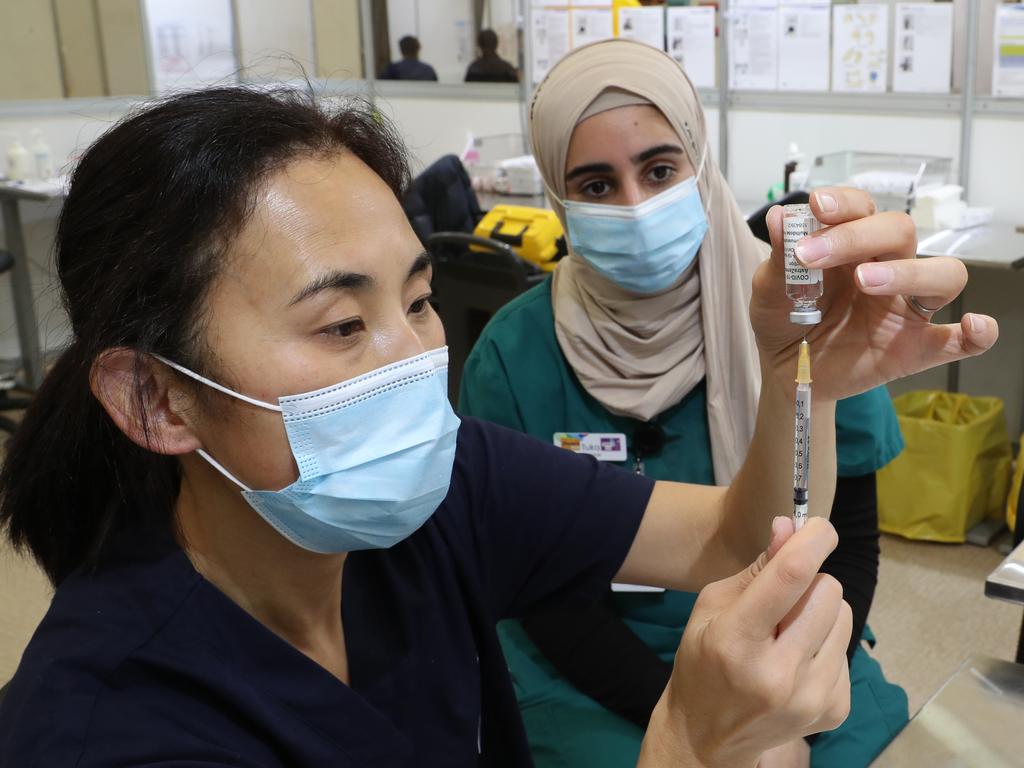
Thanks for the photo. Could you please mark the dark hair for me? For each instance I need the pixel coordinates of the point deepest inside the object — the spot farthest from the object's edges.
(409, 46)
(487, 40)
(152, 207)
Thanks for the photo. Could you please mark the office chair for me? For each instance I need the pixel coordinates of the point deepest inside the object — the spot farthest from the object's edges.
(756, 221)
(7, 402)
(470, 286)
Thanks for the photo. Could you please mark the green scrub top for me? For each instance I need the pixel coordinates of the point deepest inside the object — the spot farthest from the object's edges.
(517, 376)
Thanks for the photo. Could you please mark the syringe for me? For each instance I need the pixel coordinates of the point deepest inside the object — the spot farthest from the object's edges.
(802, 436)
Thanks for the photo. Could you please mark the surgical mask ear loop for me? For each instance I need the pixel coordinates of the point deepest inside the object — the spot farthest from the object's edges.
(220, 388)
(215, 385)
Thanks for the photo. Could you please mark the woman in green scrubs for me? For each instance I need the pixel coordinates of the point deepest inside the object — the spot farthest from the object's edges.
(638, 351)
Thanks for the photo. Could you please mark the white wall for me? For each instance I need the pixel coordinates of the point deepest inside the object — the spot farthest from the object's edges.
(757, 144)
(275, 38)
(432, 129)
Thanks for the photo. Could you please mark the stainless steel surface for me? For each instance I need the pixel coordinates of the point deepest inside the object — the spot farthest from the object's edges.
(997, 245)
(1006, 582)
(973, 721)
(21, 285)
(967, 106)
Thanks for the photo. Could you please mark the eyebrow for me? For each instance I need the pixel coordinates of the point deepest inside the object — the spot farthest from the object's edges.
(643, 157)
(581, 170)
(661, 149)
(340, 280)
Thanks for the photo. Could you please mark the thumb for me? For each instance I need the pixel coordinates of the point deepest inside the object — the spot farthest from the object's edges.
(782, 531)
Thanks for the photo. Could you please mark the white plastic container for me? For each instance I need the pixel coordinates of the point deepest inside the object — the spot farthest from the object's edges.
(19, 162)
(42, 157)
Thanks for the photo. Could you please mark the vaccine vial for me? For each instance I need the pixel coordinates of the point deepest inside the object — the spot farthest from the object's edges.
(803, 286)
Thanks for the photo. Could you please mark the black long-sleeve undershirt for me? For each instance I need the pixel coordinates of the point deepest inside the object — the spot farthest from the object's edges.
(594, 650)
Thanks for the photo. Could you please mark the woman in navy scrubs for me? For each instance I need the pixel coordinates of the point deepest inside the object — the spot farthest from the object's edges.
(273, 542)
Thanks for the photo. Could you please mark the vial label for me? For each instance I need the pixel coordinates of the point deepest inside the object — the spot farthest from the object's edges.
(795, 228)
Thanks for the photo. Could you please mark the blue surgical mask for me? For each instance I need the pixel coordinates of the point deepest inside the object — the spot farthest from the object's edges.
(643, 248)
(374, 453)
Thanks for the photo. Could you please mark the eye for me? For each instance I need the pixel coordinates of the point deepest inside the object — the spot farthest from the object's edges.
(420, 306)
(596, 188)
(659, 174)
(345, 329)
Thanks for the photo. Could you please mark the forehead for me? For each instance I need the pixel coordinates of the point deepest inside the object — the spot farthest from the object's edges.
(330, 211)
(314, 216)
(619, 133)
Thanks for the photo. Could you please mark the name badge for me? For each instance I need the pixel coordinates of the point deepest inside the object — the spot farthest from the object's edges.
(603, 446)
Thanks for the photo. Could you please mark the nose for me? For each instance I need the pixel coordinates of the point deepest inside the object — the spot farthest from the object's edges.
(632, 193)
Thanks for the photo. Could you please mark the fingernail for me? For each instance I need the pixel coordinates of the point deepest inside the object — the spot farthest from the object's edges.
(875, 275)
(813, 249)
(778, 526)
(826, 202)
(977, 323)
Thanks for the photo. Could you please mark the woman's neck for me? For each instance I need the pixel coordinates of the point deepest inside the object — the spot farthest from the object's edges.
(293, 592)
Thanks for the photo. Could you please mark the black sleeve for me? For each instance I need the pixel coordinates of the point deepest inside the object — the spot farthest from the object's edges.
(854, 563)
(594, 650)
(549, 528)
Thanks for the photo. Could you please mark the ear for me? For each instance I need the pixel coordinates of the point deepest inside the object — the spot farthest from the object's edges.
(145, 400)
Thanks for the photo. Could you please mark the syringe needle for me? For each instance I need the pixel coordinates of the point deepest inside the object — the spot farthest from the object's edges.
(802, 436)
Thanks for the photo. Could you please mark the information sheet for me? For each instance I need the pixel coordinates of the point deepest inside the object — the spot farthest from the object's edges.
(804, 46)
(644, 24)
(923, 48)
(691, 42)
(591, 25)
(860, 47)
(754, 46)
(549, 41)
(1008, 58)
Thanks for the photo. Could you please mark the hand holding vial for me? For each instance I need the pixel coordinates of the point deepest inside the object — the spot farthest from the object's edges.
(869, 333)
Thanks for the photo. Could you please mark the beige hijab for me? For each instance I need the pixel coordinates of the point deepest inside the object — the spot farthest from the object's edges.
(639, 355)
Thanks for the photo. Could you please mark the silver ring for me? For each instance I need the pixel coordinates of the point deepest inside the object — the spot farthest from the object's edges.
(922, 310)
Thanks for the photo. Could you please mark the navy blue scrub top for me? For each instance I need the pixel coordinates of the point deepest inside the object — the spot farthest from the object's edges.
(143, 662)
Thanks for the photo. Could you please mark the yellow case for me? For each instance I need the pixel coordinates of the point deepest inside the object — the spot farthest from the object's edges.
(532, 232)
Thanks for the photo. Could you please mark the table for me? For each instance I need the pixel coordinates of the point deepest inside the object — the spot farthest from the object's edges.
(974, 721)
(1006, 582)
(994, 246)
(11, 195)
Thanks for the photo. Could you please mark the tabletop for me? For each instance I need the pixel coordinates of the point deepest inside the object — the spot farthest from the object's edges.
(33, 190)
(1006, 582)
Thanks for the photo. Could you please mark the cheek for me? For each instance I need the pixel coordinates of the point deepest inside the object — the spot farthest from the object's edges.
(253, 446)
(431, 333)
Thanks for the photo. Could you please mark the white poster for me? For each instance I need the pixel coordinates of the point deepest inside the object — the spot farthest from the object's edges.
(589, 26)
(860, 47)
(549, 42)
(754, 48)
(1008, 61)
(691, 42)
(644, 24)
(804, 47)
(190, 43)
(923, 49)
